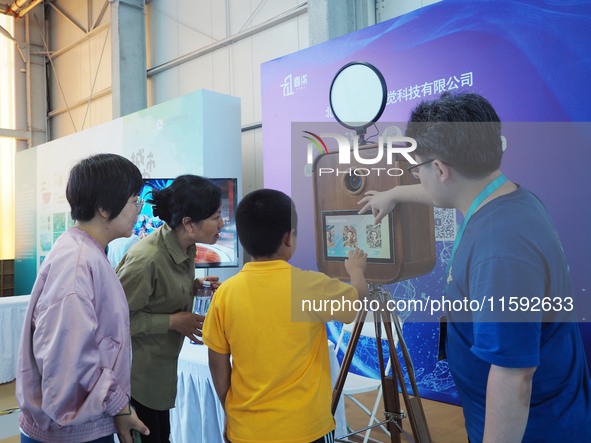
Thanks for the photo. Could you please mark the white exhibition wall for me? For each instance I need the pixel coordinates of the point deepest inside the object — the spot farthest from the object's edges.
(198, 133)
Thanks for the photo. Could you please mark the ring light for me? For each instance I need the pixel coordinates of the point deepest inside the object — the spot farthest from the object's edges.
(358, 96)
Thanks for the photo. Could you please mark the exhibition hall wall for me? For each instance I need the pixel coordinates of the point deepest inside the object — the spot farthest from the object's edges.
(529, 58)
(198, 133)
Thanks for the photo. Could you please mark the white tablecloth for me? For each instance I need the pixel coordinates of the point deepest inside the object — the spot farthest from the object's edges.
(12, 315)
(198, 415)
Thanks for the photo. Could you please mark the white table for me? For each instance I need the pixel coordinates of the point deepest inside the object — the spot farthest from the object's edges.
(12, 316)
(198, 415)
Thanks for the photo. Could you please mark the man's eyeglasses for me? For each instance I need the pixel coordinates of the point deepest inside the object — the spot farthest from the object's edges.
(410, 168)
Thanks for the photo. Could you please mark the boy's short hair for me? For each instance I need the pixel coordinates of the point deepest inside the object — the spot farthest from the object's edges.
(105, 181)
(461, 129)
(263, 217)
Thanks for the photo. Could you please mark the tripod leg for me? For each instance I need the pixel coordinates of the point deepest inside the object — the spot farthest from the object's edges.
(415, 407)
(392, 405)
(389, 385)
(347, 359)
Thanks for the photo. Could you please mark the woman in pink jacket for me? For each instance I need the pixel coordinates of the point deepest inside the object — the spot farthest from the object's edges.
(73, 377)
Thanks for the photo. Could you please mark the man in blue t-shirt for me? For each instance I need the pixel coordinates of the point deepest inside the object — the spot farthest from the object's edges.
(515, 352)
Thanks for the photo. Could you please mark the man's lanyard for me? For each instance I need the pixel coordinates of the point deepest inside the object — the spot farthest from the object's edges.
(483, 195)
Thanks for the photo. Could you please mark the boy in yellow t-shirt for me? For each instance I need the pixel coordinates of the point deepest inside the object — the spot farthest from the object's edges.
(278, 386)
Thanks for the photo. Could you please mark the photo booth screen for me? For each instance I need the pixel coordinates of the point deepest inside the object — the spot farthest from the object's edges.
(224, 253)
(345, 230)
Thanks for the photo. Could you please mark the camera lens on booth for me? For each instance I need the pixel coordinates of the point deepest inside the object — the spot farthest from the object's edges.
(353, 183)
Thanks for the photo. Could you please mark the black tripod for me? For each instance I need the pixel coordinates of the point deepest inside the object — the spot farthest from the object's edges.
(390, 383)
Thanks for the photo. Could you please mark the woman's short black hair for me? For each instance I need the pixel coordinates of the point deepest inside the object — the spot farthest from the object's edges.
(263, 217)
(188, 196)
(104, 181)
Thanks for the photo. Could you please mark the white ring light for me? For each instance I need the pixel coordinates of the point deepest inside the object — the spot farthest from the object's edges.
(358, 95)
